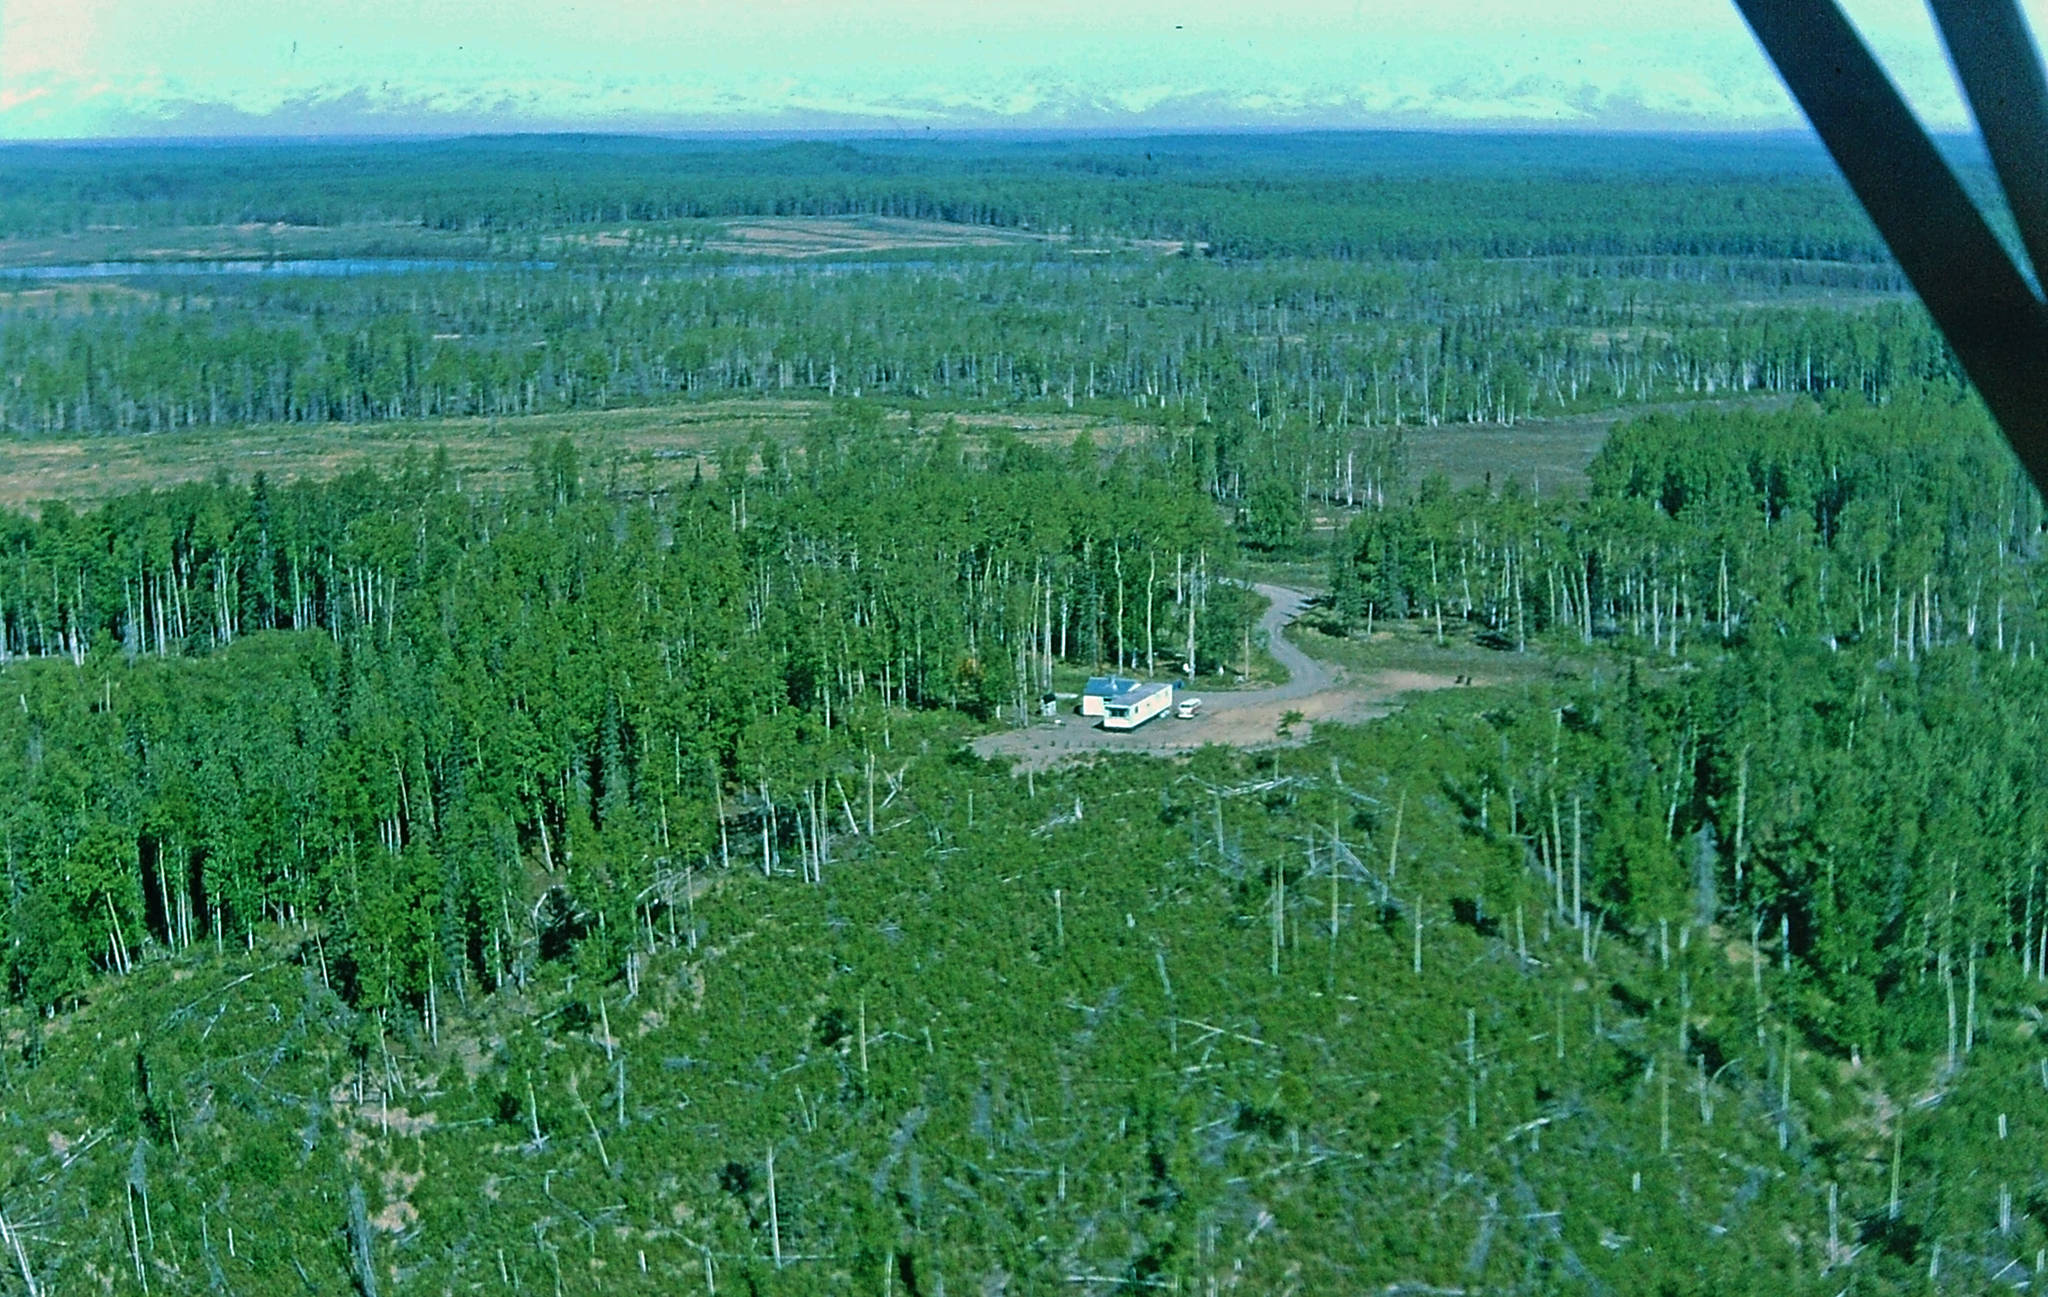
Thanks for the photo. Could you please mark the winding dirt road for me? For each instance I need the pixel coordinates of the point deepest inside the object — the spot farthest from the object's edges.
(1305, 675)
(1245, 718)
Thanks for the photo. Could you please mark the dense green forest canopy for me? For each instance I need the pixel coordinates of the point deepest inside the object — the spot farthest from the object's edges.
(452, 771)
(567, 657)
(605, 847)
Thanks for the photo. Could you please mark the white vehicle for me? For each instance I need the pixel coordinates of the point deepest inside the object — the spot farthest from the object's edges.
(1187, 709)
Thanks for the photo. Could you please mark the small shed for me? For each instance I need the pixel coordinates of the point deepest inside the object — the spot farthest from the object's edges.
(1095, 695)
(1135, 706)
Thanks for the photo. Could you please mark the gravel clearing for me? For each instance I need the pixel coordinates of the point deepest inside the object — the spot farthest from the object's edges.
(1247, 718)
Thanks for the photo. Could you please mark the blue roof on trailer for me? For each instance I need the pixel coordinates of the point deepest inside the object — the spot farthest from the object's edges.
(1108, 686)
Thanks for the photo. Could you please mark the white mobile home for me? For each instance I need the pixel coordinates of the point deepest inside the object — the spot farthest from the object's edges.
(1135, 706)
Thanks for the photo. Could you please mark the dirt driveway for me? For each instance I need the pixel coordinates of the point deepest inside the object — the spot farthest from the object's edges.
(1244, 718)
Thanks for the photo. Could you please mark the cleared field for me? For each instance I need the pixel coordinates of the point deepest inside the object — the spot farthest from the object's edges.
(239, 242)
(1329, 681)
(779, 238)
(648, 448)
(763, 237)
(827, 236)
(656, 446)
(1547, 456)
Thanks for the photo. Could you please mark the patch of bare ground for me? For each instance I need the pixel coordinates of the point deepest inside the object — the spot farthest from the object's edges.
(398, 1214)
(377, 1111)
(368, 1125)
(1351, 699)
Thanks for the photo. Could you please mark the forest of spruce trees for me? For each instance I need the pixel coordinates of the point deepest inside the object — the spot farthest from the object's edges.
(585, 884)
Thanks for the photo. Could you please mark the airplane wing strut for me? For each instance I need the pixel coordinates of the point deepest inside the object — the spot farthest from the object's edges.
(1993, 318)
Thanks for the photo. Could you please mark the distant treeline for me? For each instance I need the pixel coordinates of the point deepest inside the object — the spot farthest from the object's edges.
(1346, 196)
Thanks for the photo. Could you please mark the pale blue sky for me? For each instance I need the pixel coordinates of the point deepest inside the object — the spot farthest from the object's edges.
(98, 68)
